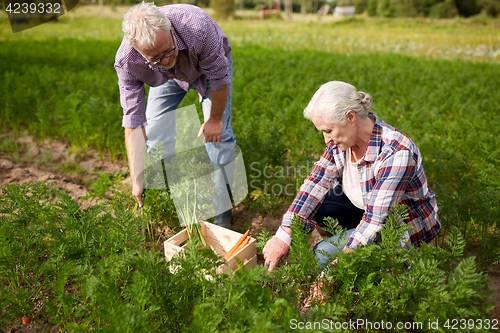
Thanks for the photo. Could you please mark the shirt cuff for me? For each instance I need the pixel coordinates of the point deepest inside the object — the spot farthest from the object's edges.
(357, 239)
(287, 221)
(134, 121)
(218, 84)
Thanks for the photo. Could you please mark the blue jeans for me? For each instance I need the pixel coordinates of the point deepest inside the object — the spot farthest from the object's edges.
(161, 131)
(330, 248)
(161, 128)
(336, 205)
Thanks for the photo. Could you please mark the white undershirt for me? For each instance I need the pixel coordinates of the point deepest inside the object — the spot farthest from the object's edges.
(350, 181)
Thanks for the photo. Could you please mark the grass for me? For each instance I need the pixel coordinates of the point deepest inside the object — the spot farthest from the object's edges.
(454, 39)
(474, 39)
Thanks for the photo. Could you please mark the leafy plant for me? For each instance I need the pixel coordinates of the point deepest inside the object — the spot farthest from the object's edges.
(385, 281)
(262, 238)
(192, 190)
(89, 270)
(264, 204)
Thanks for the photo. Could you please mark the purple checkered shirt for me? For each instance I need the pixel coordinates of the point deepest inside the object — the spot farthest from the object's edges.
(391, 173)
(204, 54)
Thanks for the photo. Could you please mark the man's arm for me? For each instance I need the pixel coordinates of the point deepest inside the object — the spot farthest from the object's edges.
(213, 126)
(135, 142)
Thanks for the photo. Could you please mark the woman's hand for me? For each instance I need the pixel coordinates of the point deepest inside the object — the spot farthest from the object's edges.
(276, 248)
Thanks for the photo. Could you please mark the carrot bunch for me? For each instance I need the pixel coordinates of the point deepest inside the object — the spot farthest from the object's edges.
(241, 243)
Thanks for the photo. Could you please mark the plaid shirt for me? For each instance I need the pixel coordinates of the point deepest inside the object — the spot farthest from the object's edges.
(391, 173)
(204, 53)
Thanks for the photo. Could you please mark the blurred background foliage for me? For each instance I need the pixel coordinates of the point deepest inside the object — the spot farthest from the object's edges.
(383, 8)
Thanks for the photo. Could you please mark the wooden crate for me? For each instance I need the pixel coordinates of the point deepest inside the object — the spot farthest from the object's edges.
(221, 240)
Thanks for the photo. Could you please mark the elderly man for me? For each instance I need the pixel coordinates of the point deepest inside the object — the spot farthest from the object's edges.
(172, 49)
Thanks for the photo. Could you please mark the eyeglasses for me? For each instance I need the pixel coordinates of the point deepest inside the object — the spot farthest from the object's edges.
(166, 55)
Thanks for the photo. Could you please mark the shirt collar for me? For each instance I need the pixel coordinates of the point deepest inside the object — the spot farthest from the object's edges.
(375, 141)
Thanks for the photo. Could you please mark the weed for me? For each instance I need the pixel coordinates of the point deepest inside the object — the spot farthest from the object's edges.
(265, 204)
(244, 227)
(46, 159)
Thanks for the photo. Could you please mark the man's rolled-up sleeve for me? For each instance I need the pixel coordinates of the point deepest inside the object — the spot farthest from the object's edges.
(392, 179)
(132, 99)
(213, 60)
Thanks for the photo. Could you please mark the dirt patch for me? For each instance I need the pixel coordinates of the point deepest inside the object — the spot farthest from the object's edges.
(52, 162)
(22, 174)
(32, 327)
(494, 276)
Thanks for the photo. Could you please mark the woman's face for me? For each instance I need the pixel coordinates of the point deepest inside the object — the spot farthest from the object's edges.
(343, 136)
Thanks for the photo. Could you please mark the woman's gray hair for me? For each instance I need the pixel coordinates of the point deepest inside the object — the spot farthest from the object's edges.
(141, 23)
(334, 99)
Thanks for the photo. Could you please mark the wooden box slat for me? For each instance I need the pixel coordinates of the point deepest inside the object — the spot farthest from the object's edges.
(221, 240)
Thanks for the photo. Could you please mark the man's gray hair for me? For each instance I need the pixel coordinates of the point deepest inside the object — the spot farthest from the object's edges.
(334, 99)
(141, 23)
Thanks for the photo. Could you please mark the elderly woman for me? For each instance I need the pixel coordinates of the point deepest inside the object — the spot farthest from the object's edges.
(367, 168)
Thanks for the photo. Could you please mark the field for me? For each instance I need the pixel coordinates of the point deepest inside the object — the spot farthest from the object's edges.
(436, 81)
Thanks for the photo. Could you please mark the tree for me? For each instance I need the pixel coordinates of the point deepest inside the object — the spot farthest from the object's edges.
(467, 8)
(223, 8)
(490, 7)
(445, 9)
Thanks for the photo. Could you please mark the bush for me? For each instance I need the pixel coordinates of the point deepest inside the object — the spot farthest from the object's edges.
(223, 8)
(445, 9)
(490, 7)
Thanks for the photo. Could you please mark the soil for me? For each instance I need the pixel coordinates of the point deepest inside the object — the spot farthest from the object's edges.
(52, 162)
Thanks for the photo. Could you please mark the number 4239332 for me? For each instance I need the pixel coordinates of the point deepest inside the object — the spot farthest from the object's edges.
(40, 8)
(454, 324)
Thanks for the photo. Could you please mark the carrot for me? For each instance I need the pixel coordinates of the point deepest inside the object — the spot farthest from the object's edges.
(245, 242)
(235, 247)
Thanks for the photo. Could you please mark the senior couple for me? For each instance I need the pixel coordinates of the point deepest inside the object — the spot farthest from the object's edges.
(367, 168)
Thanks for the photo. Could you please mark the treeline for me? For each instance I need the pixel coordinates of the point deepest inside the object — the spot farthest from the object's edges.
(424, 8)
(384, 8)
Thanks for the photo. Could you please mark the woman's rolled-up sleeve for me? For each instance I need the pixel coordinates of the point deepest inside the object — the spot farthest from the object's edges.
(313, 191)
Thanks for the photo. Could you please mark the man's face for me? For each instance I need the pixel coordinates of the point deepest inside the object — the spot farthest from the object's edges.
(164, 45)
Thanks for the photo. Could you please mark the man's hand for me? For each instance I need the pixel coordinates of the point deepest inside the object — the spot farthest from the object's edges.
(137, 190)
(276, 248)
(213, 126)
(212, 129)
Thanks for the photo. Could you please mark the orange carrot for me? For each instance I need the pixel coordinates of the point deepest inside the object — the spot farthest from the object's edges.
(235, 247)
(245, 242)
